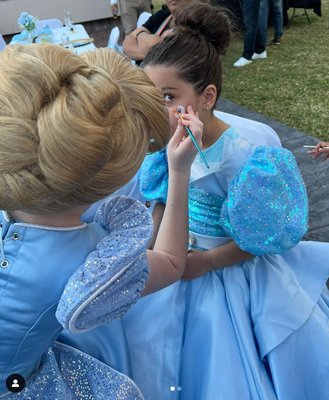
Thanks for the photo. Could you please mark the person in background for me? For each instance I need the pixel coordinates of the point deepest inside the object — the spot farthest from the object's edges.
(254, 46)
(321, 150)
(159, 25)
(277, 13)
(130, 10)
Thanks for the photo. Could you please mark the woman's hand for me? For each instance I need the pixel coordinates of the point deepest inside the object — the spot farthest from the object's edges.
(167, 32)
(181, 150)
(321, 149)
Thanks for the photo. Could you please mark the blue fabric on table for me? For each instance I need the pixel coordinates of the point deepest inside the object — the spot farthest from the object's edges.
(19, 37)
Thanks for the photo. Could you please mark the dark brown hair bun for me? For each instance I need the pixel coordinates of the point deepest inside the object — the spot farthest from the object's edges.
(204, 20)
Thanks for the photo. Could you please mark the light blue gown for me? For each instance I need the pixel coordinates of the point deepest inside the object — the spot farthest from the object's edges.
(256, 330)
(44, 274)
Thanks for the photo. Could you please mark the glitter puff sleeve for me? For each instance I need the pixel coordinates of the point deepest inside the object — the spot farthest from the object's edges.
(154, 177)
(266, 208)
(113, 276)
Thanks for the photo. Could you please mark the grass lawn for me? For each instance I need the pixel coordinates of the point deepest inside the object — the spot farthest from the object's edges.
(292, 85)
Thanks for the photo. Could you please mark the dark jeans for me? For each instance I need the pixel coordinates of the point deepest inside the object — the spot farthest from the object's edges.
(253, 42)
(277, 17)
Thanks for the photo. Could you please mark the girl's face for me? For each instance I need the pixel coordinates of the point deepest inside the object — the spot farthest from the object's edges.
(176, 92)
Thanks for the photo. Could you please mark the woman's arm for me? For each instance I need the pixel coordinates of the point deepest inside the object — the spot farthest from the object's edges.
(138, 43)
(157, 216)
(167, 260)
(201, 262)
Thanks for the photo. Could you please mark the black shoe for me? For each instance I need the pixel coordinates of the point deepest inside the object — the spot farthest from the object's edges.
(276, 40)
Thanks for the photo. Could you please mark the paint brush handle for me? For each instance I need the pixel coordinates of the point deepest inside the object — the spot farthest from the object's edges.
(196, 145)
(313, 147)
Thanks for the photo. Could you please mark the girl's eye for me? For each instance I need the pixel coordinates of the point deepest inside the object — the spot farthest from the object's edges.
(168, 98)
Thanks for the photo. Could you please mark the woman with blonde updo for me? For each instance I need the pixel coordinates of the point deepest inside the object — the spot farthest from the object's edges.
(73, 129)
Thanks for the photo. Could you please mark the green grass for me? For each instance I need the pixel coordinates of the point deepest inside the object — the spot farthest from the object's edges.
(292, 85)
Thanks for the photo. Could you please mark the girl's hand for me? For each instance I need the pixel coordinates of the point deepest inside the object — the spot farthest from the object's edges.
(181, 150)
(167, 32)
(322, 149)
(197, 265)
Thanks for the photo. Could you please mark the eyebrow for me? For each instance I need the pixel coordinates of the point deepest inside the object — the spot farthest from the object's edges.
(168, 88)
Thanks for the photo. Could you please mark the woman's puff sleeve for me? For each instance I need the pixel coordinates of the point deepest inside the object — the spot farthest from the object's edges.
(113, 276)
(266, 208)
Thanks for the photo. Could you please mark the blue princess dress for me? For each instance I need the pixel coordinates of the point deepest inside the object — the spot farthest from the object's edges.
(256, 330)
(40, 279)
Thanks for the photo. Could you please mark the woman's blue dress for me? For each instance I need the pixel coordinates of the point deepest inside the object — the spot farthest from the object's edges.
(255, 330)
(46, 277)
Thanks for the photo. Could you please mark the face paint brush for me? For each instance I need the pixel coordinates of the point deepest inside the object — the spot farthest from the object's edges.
(180, 110)
(313, 147)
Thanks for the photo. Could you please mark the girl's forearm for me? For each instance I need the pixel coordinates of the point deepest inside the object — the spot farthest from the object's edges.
(226, 255)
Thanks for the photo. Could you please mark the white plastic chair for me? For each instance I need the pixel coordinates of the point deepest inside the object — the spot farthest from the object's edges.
(53, 23)
(113, 39)
(144, 16)
(2, 42)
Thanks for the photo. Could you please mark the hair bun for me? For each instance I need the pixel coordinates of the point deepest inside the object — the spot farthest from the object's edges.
(203, 20)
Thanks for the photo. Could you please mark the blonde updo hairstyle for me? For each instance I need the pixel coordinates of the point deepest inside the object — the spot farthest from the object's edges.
(73, 129)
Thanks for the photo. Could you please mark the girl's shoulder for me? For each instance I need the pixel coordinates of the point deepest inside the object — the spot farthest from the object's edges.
(225, 157)
(256, 132)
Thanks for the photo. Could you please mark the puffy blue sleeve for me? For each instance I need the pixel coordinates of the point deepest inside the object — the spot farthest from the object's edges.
(266, 208)
(113, 276)
(154, 177)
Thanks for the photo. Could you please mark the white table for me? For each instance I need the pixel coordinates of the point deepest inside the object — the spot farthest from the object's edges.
(79, 32)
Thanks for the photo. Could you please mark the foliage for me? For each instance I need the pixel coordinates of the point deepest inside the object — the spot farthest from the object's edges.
(292, 84)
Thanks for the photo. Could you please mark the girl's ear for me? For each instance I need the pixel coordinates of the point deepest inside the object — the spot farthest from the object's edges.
(209, 97)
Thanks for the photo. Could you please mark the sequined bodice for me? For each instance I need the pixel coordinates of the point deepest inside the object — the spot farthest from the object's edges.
(204, 213)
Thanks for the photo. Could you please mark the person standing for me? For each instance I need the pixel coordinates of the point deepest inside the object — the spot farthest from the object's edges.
(156, 28)
(130, 11)
(253, 41)
(276, 6)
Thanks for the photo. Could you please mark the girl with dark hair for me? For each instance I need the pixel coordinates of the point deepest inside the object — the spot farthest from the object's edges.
(250, 320)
